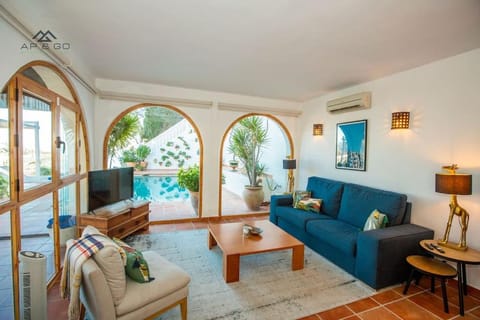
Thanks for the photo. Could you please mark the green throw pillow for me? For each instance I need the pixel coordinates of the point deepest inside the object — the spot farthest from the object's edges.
(299, 195)
(376, 220)
(136, 267)
(310, 204)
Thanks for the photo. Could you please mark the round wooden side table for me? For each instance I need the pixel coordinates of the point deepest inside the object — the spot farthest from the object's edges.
(433, 268)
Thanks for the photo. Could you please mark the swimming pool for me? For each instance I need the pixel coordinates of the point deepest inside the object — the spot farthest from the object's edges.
(158, 189)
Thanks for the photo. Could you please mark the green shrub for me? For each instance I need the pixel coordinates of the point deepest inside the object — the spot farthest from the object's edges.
(189, 178)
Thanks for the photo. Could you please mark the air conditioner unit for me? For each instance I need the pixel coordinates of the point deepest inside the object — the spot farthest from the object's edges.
(350, 103)
(33, 285)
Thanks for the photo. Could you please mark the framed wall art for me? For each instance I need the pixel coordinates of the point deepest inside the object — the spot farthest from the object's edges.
(351, 145)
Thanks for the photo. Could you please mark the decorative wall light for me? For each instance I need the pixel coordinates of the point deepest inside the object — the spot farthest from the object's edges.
(318, 129)
(400, 120)
(453, 183)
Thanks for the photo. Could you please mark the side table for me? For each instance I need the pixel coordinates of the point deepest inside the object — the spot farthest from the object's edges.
(462, 258)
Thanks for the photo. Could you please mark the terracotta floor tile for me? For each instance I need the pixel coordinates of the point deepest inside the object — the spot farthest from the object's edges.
(434, 304)
(476, 312)
(469, 301)
(354, 317)
(200, 225)
(312, 317)
(335, 313)
(362, 305)
(413, 289)
(156, 228)
(468, 316)
(184, 226)
(387, 296)
(407, 310)
(378, 314)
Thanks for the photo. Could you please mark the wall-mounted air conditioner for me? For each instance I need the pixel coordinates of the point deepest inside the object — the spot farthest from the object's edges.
(33, 285)
(353, 102)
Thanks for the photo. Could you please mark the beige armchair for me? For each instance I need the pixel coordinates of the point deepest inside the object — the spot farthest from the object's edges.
(104, 296)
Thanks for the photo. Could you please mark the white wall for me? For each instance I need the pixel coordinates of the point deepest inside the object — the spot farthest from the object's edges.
(211, 122)
(443, 98)
(13, 58)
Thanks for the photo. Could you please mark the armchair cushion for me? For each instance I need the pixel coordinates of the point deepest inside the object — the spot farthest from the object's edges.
(169, 281)
(110, 262)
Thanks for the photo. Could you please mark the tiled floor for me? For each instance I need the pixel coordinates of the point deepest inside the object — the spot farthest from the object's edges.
(387, 304)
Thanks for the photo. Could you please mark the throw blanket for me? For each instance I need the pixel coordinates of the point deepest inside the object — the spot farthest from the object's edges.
(78, 251)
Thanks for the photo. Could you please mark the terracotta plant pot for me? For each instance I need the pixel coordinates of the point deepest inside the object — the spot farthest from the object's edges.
(253, 197)
(194, 199)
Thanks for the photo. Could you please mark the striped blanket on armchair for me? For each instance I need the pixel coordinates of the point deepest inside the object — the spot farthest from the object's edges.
(78, 251)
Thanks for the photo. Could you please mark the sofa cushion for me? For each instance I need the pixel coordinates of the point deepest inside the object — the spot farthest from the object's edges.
(359, 201)
(337, 234)
(298, 217)
(110, 262)
(328, 190)
(169, 279)
(310, 204)
(300, 195)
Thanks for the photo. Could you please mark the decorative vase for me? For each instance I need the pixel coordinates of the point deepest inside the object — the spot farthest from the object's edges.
(194, 196)
(253, 197)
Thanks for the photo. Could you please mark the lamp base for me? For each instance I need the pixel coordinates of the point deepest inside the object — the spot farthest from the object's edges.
(452, 245)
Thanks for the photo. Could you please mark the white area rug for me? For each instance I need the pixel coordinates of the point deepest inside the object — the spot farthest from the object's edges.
(268, 288)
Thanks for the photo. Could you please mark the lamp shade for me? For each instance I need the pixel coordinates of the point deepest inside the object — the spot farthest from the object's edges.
(290, 164)
(453, 183)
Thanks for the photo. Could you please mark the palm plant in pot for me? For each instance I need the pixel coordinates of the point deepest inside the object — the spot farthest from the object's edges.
(248, 139)
(190, 179)
(143, 151)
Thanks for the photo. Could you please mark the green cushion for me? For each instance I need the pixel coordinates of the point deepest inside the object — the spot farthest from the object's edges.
(376, 220)
(136, 267)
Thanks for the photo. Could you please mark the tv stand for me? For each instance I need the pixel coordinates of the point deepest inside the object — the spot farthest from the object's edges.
(119, 219)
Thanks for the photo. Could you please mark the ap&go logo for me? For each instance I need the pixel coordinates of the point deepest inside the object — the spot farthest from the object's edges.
(45, 40)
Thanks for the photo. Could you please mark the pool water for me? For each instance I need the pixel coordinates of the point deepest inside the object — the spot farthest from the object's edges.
(158, 189)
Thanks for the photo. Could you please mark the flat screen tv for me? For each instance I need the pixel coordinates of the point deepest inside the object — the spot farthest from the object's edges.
(109, 186)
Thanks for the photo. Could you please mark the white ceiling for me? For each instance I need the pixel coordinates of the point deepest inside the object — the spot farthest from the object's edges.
(287, 49)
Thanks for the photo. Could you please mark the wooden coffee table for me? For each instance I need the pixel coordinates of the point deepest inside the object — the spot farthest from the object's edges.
(233, 243)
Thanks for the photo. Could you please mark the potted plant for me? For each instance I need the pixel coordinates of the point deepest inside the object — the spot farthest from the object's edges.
(233, 163)
(129, 157)
(189, 179)
(143, 151)
(247, 140)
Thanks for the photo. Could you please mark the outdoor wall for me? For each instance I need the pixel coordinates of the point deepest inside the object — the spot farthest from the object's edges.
(443, 98)
(212, 121)
(13, 58)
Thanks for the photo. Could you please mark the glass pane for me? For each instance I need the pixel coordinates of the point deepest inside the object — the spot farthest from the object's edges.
(49, 79)
(6, 281)
(4, 150)
(35, 232)
(37, 147)
(275, 148)
(67, 134)
(68, 213)
(82, 155)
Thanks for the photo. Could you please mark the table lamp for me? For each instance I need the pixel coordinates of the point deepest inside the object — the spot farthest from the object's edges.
(290, 164)
(454, 184)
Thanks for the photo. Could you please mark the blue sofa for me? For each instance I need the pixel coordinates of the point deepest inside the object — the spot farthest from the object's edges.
(377, 257)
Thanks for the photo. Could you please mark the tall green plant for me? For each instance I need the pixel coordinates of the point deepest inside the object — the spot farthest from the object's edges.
(122, 134)
(189, 178)
(248, 139)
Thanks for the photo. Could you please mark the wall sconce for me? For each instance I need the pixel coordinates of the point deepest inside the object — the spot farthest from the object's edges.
(400, 120)
(454, 183)
(318, 129)
(290, 164)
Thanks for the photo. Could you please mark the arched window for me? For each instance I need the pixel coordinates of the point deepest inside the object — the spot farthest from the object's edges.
(160, 141)
(43, 165)
(253, 148)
